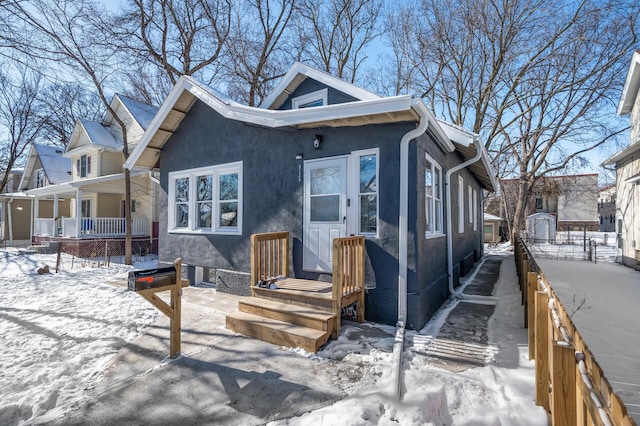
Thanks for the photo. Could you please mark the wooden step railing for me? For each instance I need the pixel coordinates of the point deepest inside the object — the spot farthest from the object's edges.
(270, 259)
(348, 277)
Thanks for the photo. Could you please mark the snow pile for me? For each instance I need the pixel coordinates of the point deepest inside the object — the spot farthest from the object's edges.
(58, 332)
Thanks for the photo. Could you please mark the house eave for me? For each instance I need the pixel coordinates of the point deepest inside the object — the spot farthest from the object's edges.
(621, 155)
(631, 86)
(374, 111)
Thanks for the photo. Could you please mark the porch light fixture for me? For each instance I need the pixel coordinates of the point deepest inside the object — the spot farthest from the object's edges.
(317, 140)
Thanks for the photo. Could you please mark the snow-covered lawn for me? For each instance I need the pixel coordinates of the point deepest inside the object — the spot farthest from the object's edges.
(58, 332)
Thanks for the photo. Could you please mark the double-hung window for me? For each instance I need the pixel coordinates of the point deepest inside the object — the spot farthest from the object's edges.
(206, 200)
(433, 197)
(367, 192)
(460, 204)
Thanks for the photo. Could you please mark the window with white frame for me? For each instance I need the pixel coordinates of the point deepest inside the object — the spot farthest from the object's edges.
(40, 178)
(470, 203)
(460, 204)
(367, 192)
(475, 210)
(313, 99)
(83, 166)
(433, 196)
(206, 200)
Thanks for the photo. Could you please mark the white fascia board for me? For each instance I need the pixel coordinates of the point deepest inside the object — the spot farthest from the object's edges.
(631, 85)
(320, 76)
(107, 178)
(457, 134)
(620, 155)
(28, 169)
(50, 190)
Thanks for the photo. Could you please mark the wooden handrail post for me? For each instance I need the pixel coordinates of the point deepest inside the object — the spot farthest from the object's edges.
(542, 350)
(530, 312)
(176, 305)
(523, 279)
(563, 384)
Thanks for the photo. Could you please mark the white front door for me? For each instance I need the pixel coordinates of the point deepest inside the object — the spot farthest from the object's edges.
(325, 210)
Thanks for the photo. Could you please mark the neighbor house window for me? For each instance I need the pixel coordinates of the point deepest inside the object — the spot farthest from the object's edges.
(460, 204)
(433, 196)
(368, 193)
(40, 181)
(313, 99)
(206, 200)
(538, 203)
(83, 166)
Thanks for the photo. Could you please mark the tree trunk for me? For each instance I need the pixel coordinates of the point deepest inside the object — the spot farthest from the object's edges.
(521, 208)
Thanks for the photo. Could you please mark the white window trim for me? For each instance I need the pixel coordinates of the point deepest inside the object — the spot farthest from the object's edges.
(353, 192)
(470, 202)
(475, 210)
(216, 171)
(460, 204)
(310, 97)
(439, 225)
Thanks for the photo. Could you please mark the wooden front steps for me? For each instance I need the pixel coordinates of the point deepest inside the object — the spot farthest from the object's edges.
(299, 313)
(282, 322)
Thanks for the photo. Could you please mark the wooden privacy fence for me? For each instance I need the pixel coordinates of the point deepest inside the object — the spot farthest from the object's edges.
(570, 384)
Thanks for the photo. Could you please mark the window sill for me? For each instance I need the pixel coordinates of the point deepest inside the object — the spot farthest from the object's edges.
(203, 232)
(429, 236)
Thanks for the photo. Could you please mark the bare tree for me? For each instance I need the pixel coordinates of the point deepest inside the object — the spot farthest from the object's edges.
(61, 105)
(258, 48)
(180, 37)
(20, 121)
(336, 33)
(68, 36)
(531, 77)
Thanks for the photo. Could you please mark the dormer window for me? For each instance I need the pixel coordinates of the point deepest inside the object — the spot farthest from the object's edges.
(313, 99)
(83, 166)
(40, 181)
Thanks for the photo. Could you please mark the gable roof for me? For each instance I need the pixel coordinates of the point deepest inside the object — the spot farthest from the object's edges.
(300, 72)
(373, 110)
(631, 86)
(56, 167)
(140, 112)
(98, 134)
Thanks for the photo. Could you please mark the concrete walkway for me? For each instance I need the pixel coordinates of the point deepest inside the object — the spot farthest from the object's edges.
(604, 299)
(226, 379)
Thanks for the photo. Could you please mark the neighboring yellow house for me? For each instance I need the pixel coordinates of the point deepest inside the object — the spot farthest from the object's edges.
(95, 191)
(627, 165)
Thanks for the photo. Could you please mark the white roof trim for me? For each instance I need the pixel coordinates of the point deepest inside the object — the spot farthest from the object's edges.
(72, 186)
(620, 155)
(631, 86)
(280, 118)
(320, 76)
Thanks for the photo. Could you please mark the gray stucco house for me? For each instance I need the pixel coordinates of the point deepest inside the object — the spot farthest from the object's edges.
(320, 158)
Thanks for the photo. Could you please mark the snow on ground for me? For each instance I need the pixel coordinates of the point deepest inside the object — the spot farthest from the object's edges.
(58, 332)
(574, 245)
(501, 393)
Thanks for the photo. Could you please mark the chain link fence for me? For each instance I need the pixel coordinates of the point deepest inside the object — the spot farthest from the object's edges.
(99, 252)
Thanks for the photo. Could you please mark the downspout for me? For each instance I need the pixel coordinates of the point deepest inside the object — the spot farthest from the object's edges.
(476, 143)
(403, 217)
(403, 239)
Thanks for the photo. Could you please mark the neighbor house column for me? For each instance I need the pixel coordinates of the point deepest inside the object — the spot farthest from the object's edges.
(78, 211)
